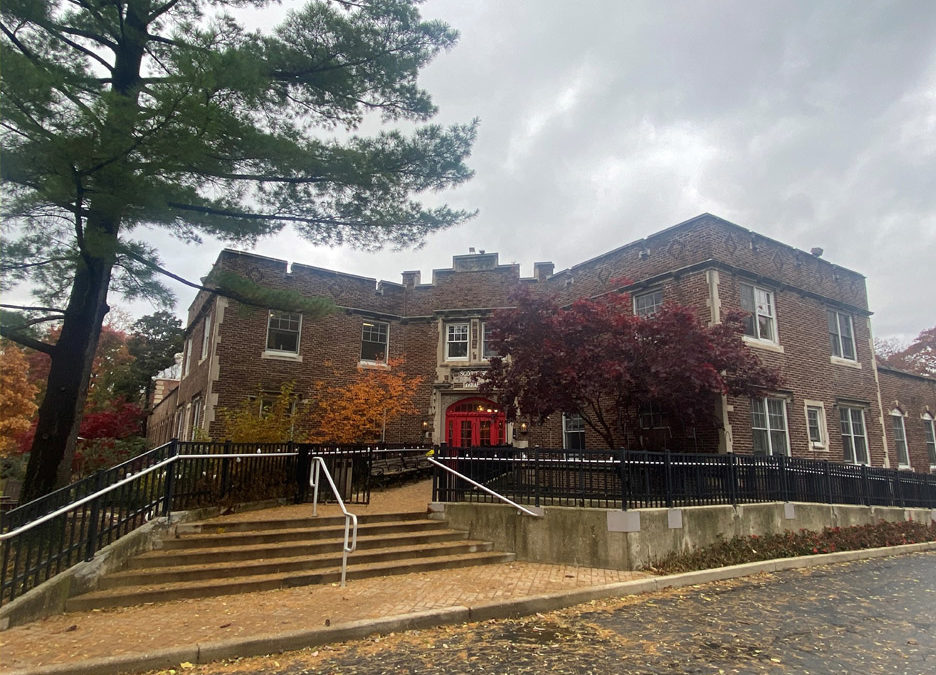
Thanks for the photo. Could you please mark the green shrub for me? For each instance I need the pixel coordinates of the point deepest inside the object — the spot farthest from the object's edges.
(738, 550)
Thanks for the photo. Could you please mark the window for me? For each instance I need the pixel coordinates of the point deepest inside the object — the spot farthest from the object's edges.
(187, 363)
(456, 342)
(196, 416)
(650, 416)
(573, 431)
(374, 341)
(283, 332)
(841, 335)
(854, 442)
(816, 425)
(930, 435)
(206, 338)
(900, 438)
(648, 304)
(769, 426)
(761, 324)
(487, 351)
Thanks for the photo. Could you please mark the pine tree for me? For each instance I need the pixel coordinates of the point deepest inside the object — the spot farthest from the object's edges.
(169, 114)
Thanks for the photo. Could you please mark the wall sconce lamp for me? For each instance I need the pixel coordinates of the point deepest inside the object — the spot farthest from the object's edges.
(425, 425)
(524, 428)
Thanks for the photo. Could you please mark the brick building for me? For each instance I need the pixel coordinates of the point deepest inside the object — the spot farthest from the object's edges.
(809, 318)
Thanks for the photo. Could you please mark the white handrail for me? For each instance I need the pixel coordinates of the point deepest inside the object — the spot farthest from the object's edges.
(486, 489)
(350, 518)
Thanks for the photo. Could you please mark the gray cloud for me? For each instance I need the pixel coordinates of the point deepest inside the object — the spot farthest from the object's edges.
(811, 122)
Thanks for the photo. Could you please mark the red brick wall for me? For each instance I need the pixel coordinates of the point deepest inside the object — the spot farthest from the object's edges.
(914, 396)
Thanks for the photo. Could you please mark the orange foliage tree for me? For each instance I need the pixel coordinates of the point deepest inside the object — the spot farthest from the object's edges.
(359, 412)
(17, 397)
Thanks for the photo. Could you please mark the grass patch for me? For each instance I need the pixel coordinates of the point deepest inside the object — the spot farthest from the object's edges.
(754, 548)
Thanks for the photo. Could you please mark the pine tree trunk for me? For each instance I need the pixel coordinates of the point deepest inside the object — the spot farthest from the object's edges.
(52, 451)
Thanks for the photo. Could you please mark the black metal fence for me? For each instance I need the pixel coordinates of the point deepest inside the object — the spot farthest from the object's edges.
(639, 479)
(84, 517)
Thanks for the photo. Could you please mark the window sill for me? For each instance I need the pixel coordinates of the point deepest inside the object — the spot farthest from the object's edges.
(904, 467)
(819, 448)
(766, 345)
(281, 356)
(383, 365)
(839, 361)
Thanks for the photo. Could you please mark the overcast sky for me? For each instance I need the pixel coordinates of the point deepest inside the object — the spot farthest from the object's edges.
(602, 122)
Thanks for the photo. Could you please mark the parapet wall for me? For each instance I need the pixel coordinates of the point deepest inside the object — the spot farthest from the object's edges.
(630, 540)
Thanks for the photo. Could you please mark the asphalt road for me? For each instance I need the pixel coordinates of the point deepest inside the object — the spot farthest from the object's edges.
(876, 616)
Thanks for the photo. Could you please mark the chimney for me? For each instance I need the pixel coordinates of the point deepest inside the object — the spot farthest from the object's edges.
(411, 278)
(542, 270)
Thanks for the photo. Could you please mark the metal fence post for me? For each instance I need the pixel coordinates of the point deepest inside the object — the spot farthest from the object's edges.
(668, 477)
(435, 475)
(536, 476)
(302, 473)
(624, 490)
(170, 478)
(91, 544)
(898, 493)
(866, 485)
(225, 469)
(828, 479)
(733, 478)
(784, 478)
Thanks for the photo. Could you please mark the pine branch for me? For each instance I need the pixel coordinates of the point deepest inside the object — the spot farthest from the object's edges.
(26, 341)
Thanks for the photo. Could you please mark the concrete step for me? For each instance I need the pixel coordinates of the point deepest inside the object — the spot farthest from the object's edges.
(264, 566)
(289, 549)
(123, 597)
(224, 525)
(250, 538)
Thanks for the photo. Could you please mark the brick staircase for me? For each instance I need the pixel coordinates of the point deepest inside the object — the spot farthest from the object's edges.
(216, 557)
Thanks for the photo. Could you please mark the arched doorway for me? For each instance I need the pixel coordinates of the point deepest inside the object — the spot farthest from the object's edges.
(475, 422)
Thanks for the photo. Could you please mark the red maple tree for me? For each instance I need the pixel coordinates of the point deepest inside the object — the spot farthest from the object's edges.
(596, 358)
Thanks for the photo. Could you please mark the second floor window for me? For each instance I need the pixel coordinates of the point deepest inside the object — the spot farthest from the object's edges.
(815, 425)
(648, 304)
(761, 323)
(374, 341)
(841, 335)
(487, 350)
(456, 341)
(206, 337)
(283, 332)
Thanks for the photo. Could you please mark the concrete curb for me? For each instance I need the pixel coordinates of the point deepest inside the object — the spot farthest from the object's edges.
(354, 630)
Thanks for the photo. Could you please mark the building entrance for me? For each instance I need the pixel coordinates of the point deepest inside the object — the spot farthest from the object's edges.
(475, 422)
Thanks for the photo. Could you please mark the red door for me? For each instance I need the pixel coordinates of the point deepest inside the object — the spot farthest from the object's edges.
(475, 422)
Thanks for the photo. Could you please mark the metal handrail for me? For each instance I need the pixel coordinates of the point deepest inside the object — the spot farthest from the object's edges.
(485, 488)
(350, 518)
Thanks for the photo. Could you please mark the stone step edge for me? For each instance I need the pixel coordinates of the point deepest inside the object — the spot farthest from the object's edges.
(401, 516)
(233, 537)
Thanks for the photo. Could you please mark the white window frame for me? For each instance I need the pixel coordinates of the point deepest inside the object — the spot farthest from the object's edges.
(288, 317)
(899, 428)
(572, 423)
(847, 415)
(770, 429)
(929, 436)
(654, 306)
(187, 363)
(650, 416)
(206, 338)
(838, 341)
(762, 304)
(386, 344)
(196, 415)
(819, 408)
(449, 342)
(484, 343)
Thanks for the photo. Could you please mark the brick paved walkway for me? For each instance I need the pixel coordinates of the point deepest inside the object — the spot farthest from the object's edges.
(85, 635)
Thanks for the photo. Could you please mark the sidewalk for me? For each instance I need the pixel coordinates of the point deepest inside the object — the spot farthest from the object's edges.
(146, 629)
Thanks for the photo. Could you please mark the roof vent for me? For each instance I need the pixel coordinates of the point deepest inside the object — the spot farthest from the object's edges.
(816, 251)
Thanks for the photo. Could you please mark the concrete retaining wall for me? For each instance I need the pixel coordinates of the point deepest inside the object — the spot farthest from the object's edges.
(630, 540)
